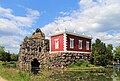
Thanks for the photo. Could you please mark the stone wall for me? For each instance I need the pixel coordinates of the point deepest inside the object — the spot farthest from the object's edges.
(33, 47)
(65, 59)
(36, 47)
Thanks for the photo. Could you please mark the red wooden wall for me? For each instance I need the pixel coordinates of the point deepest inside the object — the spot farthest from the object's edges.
(76, 41)
(60, 38)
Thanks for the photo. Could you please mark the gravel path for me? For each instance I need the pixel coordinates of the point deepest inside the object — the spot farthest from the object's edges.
(1, 79)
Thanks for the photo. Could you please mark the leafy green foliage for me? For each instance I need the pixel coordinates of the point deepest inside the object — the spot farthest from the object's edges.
(117, 53)
(9, 64)
(101, 54)
(109, 53)
(11, 74)
(79, 63)
(1, 49)
(14, 57)
(84, 63)
(4, 56)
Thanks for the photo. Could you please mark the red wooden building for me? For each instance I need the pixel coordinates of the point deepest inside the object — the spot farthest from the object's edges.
(70, 42)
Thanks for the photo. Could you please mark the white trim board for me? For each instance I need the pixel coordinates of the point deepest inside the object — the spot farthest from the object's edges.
(65, 42)
(69, 52)
(50, 44)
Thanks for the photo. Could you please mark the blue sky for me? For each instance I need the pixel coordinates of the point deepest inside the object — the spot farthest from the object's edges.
(49, 9)
(19, 18)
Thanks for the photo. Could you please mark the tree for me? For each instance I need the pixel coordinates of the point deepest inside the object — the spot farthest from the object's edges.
(1, 49)
(117, 53)
(4, 56)
(100, 53)
(109, 52)
(14, 57)
(1, 52)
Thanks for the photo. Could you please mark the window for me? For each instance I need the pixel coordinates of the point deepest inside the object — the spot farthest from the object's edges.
(87, 45)
(80, 44)
(56, 44)
(71, 43)
(28, 49)
(39, 49)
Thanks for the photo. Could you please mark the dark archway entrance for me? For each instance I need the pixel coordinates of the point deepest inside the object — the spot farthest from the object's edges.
(35, 63)
(35, 66)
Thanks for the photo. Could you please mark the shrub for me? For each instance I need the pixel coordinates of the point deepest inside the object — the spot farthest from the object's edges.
(79, 63)
(9, 64)
(86, 63)
(71, 65)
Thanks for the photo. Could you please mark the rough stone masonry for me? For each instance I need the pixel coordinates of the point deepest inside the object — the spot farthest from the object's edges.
(33, 48)
(34, 52)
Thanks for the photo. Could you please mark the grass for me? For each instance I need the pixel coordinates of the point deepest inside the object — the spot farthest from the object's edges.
(83, 66)
(11, 74)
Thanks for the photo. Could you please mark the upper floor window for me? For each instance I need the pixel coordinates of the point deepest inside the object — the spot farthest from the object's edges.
(71, 43)
(80, 44)
(87, 45)
(56, 43)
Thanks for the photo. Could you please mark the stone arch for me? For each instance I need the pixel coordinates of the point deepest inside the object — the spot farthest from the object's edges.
(35, 66)
(35, 63)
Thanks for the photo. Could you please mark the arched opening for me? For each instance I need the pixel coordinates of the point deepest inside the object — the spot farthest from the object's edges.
(35, 66)
(35, 63)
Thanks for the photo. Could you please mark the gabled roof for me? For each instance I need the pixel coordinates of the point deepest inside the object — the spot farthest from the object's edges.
(71, 33)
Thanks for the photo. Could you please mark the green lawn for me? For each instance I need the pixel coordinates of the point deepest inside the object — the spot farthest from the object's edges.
(83, 66)
(10, 73)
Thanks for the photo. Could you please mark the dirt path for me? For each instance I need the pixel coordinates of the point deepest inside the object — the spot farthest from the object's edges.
(1, 79)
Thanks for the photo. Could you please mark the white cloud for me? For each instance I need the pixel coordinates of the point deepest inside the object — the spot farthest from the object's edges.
(87, 4)
(5, 11)
(10, 23)
(13, 28)
(11, 42)
(99, 18)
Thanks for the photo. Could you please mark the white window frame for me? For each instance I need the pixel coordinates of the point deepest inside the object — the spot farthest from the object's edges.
(56, 43)
(87, 45)
(80, 44)
(71, 43)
